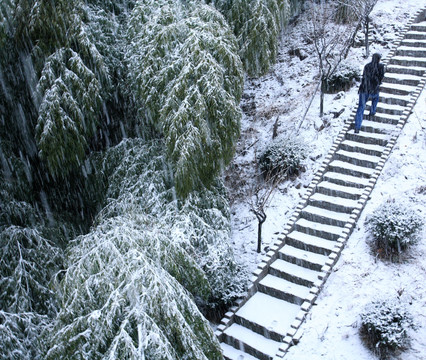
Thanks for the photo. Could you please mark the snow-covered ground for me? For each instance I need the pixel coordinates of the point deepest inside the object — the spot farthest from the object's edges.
(282, 96)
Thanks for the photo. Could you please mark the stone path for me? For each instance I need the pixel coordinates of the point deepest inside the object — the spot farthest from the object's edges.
(265, 324)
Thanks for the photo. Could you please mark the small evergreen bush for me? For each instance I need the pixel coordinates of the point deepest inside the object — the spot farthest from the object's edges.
(282, 155)
(342, 79)
(394, 227)
(384, 326)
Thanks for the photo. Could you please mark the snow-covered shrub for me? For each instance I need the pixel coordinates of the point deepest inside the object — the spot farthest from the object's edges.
(343, 78)
(394, 226)
(384, 326)
(283, 155)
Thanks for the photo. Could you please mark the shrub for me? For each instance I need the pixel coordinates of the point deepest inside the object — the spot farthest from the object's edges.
(384, 326)
(342, 79)
(394, 227)
(282, 155)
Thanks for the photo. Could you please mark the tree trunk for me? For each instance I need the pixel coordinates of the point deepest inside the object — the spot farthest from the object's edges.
(366, 27)
(322, 102)
(261, 217)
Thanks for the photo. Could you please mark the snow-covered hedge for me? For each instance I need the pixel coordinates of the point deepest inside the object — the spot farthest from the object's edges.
(282, 155)
(384, 326)
(394, 226)
(343, 78)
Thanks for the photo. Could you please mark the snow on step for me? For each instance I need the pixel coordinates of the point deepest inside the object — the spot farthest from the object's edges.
(383, 127)
(392, 108)
(359, 156)
(322, 228)
(253, 339)
(233, 354)
(303, 255)
(345, 179)
(293, 293)
(367, 148)
(400, 87)
(295, 270)
(401, 69)
(402, 77)
(320, 212)
(269, 312)
(418, 61)
(414, 42)
(366, 172)
(339, 201)
(327, 185)
(312, 240)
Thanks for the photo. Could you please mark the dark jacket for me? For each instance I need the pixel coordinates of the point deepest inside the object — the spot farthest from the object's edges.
(372, 76)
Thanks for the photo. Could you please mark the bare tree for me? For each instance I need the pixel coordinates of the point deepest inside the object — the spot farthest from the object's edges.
(360, 10)
(261, 194)
(331, 40)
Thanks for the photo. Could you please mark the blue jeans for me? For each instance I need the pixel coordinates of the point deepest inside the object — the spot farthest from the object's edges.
(363, 97)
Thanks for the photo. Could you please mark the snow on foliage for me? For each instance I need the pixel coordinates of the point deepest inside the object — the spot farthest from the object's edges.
(185, 71)
(384, 325)
(68, 111)
(257, 25)
(394, 226)
(131, 282)
(284, 154)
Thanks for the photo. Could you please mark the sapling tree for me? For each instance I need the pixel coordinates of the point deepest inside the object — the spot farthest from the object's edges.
(277, 161)
(360, 10)
(330, 39)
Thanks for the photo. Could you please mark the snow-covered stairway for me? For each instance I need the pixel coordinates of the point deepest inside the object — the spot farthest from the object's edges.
(286, 284)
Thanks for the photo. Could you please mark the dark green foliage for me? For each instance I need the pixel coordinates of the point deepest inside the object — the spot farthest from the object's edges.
(256, 24)
(184, 69)
(283, 155)
(384, 326)
(394, 227)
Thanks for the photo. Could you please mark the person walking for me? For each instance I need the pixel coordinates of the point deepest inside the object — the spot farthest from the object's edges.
(372, 77)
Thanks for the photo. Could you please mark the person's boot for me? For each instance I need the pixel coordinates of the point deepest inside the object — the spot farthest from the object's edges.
(356, 131)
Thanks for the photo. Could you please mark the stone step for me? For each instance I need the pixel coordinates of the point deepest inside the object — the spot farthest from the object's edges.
(393, 99)
(251, 342)
(375, 127)
(315, 234)
(408, 61)
(368, 137)
(388, 108)
(332, 203)
(421, 43)
(402, 79)
(375, 150)
(383, 118)
(301, 257)
(407, 70)
(333, 189)
(396, 89)
(317, 244)
(345, 179)
(296, 274)
(415, 35)
(283, 289)
(267, 315)
(355, 158)
(230, 353)
(420, 26)
(344, 167)
(410, 51)
(324, 216)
